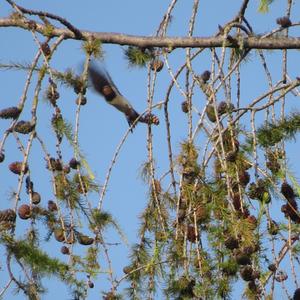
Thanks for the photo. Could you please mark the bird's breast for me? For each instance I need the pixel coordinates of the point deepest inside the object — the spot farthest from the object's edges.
(121, 104)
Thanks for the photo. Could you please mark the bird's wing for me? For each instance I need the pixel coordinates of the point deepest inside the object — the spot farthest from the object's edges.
(104, 85)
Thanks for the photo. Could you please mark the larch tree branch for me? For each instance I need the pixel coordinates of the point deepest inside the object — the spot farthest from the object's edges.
(250, 42)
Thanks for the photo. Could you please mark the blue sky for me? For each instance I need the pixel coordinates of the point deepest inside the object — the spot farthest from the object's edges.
(102, 127)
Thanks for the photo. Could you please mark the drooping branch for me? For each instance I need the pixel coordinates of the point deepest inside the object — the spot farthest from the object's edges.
(251, 42)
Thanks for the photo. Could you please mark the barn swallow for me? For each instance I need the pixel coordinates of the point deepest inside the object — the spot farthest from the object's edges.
(103, 84)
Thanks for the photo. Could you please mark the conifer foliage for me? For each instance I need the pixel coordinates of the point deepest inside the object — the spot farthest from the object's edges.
(221, 216)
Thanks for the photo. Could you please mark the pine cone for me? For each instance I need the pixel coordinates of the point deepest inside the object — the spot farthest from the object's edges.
(59, 234)
(65, 250)
(36, 198)
(287, 191)
(231, 243)
(46, 49)
(24, 127)
(205, 76)
(10, 113)
(2, 157)
(157, 65)
(296, 294)
(284, 22)
(24, 212)
(150, 119)
(191, 234)
(52, 206)
(281, 276)
(84, 239)
(16, 167)
(247, 273)
(74, 163)
(210, 112)
(185, 107)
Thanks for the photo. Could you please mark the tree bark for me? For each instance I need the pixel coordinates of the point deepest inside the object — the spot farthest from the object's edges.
(251, 42)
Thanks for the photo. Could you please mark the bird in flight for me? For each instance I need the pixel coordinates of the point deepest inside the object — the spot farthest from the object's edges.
(103, 84)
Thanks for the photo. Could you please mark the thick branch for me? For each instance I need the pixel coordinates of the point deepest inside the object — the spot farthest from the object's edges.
(254, 42)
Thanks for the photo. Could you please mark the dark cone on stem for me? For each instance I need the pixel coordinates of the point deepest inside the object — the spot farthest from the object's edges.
(210, 112)
(65, 250)
(157, 65)
(2, 157)
(74, 163)
(284, 22)
(59, 235)
(191, 234)
(84, 240)
(36, 198)
(10, 113)
(231, 243)
(16, 167)
(185, 107)
(287, 191)
(52, 206)
(205, 76)
(24, 127)
(24, 212)
(247, 273)
(296, 294)
(46, 49)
